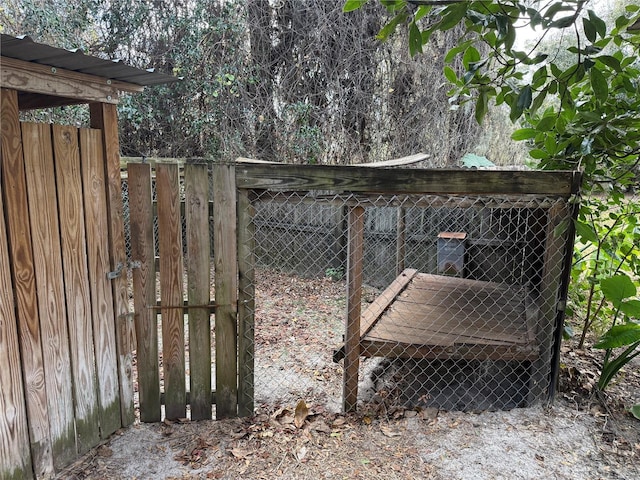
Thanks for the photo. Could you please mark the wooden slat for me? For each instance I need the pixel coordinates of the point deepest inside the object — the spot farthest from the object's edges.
(104, 326)
(24, 285)
(104, 117)
(246, 303)
(382, 301)
(196, 179)
(76, 284)
(144, 290)
(170, 244)
(406, 181)
(40, 175)
(354, 300)
(226, 295)
(15, 457)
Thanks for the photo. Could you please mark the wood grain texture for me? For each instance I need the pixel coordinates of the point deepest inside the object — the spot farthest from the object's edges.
(355, 248)
(226, 282)
(76, 284)
(104, 117)
(246, 303)
(43, 213)
(407, 181)
(12, 172)
(171, 272)
(196, 179)
(104, 333)
(144, 290)
(15, 456)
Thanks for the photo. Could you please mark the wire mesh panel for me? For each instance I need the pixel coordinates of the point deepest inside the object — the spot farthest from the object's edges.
(474, 337)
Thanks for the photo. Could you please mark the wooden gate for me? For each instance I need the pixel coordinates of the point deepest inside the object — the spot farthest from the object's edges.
(174, 297)
(60, 391)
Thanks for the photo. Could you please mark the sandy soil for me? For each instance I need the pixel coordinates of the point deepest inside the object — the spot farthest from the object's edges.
(298, 432)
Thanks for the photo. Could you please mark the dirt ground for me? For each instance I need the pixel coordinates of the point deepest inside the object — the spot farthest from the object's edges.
(298, 432)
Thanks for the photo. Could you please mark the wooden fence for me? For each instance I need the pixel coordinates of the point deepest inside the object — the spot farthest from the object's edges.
(59, 357)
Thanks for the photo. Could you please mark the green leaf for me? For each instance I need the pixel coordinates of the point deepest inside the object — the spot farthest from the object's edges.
(452, 15)
(631, 308)
(351, 5)
(563, 22)
(586, 232)
(619, 336)
(546, 123)
(471, 55)
(524, 134)
(481, 105)
(600, 25)
(415, 39)
(617, 288)
(611, 62)
(390, 27)
(450, 74)
(599, 84)
(589, 29)
(635, 410)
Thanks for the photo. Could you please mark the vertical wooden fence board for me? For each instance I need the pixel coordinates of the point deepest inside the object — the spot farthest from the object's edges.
(172, 300)
(76, 284)
(43, 212)
(354, 299)
(15, 457)
(246, 303)
(196, 179)
(104, 117)
(226, 282)
(104, 334)
(144, 290)
(24, 284)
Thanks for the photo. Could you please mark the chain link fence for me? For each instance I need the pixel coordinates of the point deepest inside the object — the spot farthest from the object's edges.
(458, 298)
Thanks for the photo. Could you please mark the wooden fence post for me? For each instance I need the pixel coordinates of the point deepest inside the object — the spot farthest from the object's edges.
(354, 299)
(104, 117)
(246, 303)
(226, 281)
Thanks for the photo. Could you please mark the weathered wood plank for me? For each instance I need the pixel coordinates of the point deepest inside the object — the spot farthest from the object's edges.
(196, 179)
(246, 303)
(76, 284)
(43, 213)
(18, 227)
(226, 282)
(144, 290)
(354, 301)
(15, 457)
(406, 181)
(104, 117)
(170, 246)
(104, 326)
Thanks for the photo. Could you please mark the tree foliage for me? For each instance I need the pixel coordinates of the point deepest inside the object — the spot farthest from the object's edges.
(576, 102)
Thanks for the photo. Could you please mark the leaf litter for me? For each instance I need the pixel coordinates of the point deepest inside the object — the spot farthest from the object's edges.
(582, 435)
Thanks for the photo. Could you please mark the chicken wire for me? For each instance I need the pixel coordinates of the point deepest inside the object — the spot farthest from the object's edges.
(474, 330)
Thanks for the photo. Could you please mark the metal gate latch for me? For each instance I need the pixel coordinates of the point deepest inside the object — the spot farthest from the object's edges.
(120, 266)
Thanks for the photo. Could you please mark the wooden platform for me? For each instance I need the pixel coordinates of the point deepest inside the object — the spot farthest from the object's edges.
(430, 316)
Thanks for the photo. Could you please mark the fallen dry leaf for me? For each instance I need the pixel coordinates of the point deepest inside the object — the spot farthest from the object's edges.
(389, 432)
(301, 414)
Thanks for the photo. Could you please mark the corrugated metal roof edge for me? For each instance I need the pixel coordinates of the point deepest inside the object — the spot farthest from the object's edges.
(24, 48)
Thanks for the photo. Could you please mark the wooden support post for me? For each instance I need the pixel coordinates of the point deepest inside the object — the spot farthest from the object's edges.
(246, 303)
(196, 181)
(354, 299)
(144, 290)
(12, 173)
(104, 117)
(226, 281)
(400, 240)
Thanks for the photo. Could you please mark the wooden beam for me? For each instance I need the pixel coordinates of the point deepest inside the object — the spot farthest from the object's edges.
(406, 181)
(104, 117)
(35, 78)
(354, 302)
